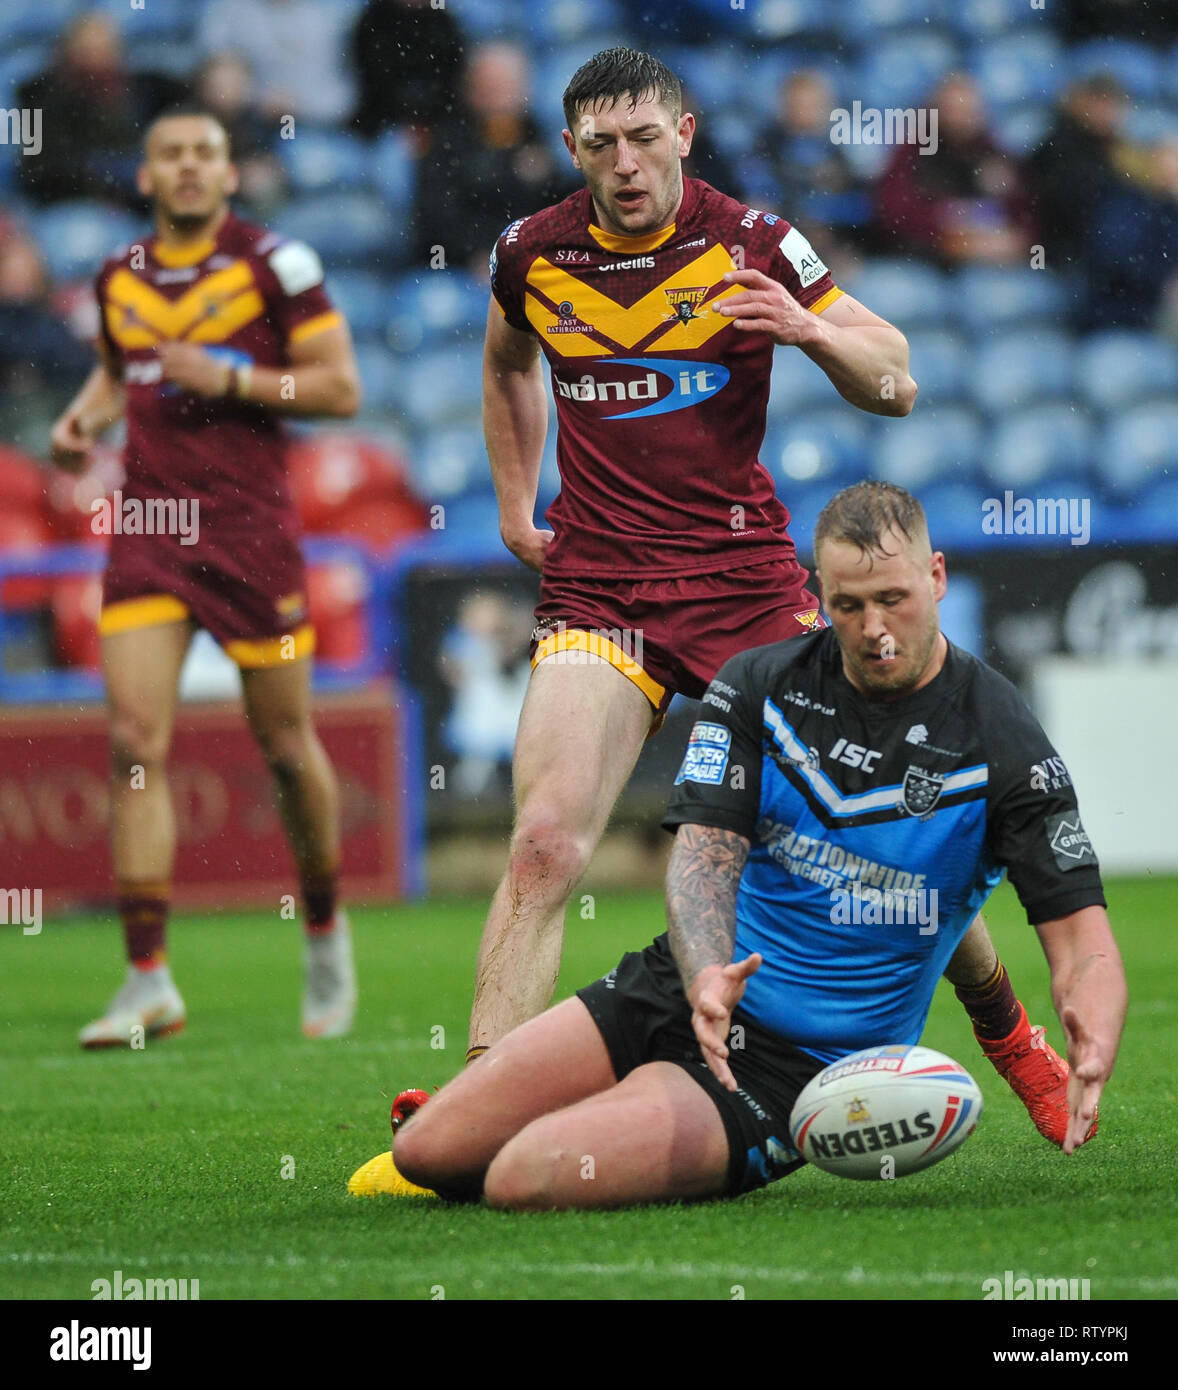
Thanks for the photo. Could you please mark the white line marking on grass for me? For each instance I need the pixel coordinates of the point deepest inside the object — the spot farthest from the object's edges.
(856, 1276)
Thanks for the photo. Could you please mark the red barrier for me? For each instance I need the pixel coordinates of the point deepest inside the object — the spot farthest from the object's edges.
(55, 799)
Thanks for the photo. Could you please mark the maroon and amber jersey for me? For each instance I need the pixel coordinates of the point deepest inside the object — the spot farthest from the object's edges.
(660, 401)
(245, 295)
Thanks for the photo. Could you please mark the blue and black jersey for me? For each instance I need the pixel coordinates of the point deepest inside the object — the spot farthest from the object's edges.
(877, 829)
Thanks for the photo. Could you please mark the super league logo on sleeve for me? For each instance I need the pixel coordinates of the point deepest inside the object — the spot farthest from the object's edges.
(1069, 841)
(707, 754)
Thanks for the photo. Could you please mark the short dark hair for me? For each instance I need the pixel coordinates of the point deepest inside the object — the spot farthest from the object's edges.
(865, 512)
(617, 72)
(184, 108)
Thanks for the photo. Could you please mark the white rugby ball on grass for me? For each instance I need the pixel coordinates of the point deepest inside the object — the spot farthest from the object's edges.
(906, 1104)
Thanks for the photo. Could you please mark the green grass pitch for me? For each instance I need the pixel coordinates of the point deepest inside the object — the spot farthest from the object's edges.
(169, 1162)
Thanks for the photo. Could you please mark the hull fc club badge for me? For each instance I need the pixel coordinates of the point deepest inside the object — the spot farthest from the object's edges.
(921, 791)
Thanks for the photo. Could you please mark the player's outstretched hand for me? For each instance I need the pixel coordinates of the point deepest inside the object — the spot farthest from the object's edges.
(530, 545)
(766, 306)
(715, 992)
(190, 367)
(1089, 1071)
(70, 443)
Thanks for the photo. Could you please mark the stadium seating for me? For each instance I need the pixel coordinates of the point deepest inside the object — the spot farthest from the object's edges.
(322, 161)
(1019, 367)
(928, 446)
(1114, 370)
(1041, 442)
(939, 362)
(990, 297)
(908, 293)
(1139, 447)
(347, 229)
(75, 238)
(817, 447)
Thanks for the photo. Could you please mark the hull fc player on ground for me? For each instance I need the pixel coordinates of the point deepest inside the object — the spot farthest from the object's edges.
(211, 329)
(656, 304)
(636, 1069)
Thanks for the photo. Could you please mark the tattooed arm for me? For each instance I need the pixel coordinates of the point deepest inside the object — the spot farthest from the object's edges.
(702, 879)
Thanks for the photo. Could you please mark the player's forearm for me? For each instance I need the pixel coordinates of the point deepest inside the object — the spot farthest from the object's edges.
(1094, 988)
(515, 422)
(702, 882)
(99, 402)
(867, 365)
(318, 389)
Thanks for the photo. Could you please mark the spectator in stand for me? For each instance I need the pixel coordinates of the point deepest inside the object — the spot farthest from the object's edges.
(224, 86)
(295, 48)
(488, 165)
(94, 110)
(795, 165)
(964, 203)
(407, 57)
(1131, 270)
(705, 161)
(37, 350)
(1074, 171)
(1122, 19)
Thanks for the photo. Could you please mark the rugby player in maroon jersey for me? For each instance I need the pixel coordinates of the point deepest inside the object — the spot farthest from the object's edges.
(212, 329)
(656, 303)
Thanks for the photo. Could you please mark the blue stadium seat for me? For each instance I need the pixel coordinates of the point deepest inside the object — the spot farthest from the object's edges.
(796, 384)
(17, 66)
(942, 444)
(319, 161)
(346, 228)
(1021, 129)
(1115, 369)
(364, 300)
(1146, 125)
(393, 170)
(599, 22)
(817, 446)
(75, 238)
(173, 20)
(989, 19)
(903, 69)
(428, 308)
(1158, 504)
(906, 293)
(1029, 66)
(1139, 67)
(711, 74)
(383, 380)
(451, 462)
(1139, 447)
(991, 297)
(939, 363)
(954, 510)
(472, 523)
(35, 19)
(865, 21)
(1016, 369)
(489, 19)
(797, 21)
(1038, 443)
(443, 385)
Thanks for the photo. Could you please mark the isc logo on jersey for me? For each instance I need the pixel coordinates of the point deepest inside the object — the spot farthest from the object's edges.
(664, 383)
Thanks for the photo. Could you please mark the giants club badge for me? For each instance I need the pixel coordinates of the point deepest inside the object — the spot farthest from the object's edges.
(921, 791)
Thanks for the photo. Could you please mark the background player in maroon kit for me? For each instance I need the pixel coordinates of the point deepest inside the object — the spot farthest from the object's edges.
(211, 329)
(658, 303)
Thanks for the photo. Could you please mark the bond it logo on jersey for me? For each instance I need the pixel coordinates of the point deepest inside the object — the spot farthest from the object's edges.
(668, 383)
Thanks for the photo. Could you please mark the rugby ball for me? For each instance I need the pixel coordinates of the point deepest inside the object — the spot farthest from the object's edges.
(885, 1112)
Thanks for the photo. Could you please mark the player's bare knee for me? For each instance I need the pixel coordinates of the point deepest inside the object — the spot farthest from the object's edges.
(135, 743)
(526, 1174)
(427, 1154)
(546, 858)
